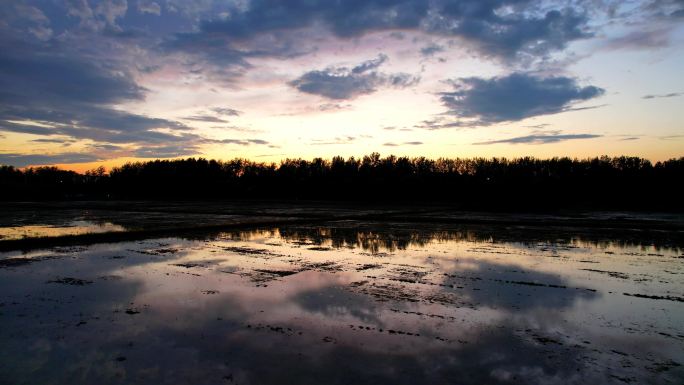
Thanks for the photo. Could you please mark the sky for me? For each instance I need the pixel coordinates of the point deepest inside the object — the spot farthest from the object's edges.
(87, 83)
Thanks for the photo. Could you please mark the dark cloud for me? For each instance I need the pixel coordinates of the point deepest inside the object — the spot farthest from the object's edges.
(48, 90)
(392, 144)
(241, 142)
(541, 138)
(670, 95)
(42, 73)
(666, 9)
(101, 16)
(538, 126)
(325, 107)
(215, 49)
(106, 147)
(440, 122)
(94, 123)
(344, 18)
(502, 28)
(22, 160)
(397, 35)
(53, 140)
(513, 97)
(212, 118)
(495, 32)
(205, 118)
(28, 19)
(226, 111)
(431, 49)
(369, 65)
(344, 83)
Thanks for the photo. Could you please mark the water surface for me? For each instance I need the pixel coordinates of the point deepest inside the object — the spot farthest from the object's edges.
(352, 302)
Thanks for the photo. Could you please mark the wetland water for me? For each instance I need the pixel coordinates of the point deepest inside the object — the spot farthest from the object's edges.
(348, 302)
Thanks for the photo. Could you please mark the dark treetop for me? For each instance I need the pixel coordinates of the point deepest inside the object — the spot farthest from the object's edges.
(625, 183)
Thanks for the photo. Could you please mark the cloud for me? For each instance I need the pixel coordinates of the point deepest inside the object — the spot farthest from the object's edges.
(27, 19)
(441, 122)
(106, 147)
(393, 128)
(242, 142)
(166, 151)
(214, 49)
(40, 75)
(205, 118)
(71, 69)
(392, 144)
(478, 101)
(540, 139)
(48, 90)
(336, 140)
(146, 6)
(538, 126)
(94, 123)
(664, 9)
(239, 129)
(431, 49)
(325, 107)
(54, 140)
(343, 18)
(22, 160)
(225, 38)
(226, 111)
(343, 83)
(670, 95)
(103, 15)
(369, 65)
(502, 28)
(647, 39)
(212, 118)
(672, 137)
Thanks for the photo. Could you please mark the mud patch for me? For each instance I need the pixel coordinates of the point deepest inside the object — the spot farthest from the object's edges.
(21, 261)
(385, 292)
(659, 297)
(188, 265)
(71, 281)
(614, 274)
(243, 250)
(278, 273)
(368, 266)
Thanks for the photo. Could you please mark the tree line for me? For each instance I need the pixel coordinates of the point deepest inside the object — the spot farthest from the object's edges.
(479, 183)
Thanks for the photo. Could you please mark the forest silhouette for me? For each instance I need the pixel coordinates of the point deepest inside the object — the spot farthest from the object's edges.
(624, 183)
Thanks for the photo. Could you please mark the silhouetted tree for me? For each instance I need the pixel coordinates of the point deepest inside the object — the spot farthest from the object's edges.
(479, 183)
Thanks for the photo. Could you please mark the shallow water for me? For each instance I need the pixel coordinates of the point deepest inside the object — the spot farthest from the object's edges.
(347, 303)
(76, 227)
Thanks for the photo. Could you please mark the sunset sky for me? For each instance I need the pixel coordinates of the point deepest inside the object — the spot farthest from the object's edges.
(84, 83)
